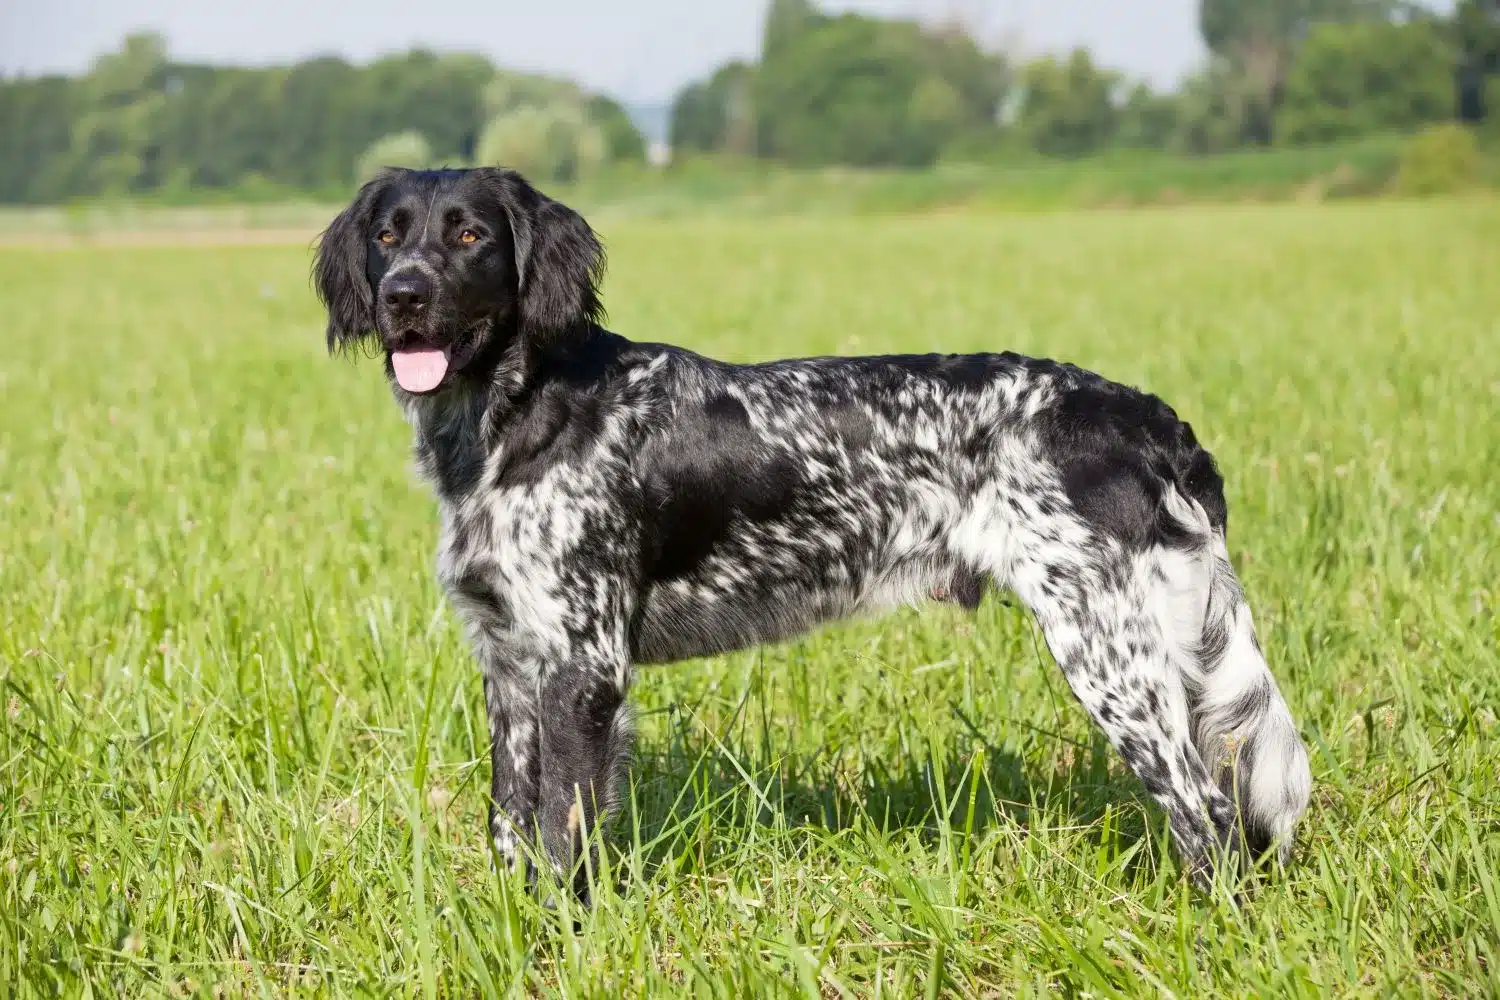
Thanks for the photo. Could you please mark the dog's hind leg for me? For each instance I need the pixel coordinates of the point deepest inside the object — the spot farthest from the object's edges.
(1157, 644)
(1103, 631)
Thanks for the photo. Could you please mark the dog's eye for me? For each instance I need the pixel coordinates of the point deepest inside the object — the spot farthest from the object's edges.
(387, 237)
(468, 236)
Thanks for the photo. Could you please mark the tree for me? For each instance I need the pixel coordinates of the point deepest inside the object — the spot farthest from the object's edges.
(1210, 110)
(324, 123)
(716, 115)
(843, 92)
(139, 121)
(1476, 26)
(786, 21)
(979, 78)
(441, 95)
(403, 149)
(623, 142)
(111, 148)
(36, 119)
(867, 92)
(527, 107)
(1354, 79)
(1148, 120)
(1257, 38)
(1069, 107)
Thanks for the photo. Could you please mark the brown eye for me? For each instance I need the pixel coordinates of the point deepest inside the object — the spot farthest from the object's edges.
(387, 237)
(468, 236)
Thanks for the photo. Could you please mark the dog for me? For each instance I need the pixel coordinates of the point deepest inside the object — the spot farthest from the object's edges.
(606, 503)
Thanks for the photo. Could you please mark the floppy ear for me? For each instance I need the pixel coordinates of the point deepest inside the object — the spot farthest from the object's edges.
(559, 261)
(339, 270)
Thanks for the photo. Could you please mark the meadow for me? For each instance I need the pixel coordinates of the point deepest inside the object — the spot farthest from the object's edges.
(242, 751)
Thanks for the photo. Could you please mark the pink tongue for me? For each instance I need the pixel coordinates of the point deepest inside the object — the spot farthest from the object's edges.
(419, 371)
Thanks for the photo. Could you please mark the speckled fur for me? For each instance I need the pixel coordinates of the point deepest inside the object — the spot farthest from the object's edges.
(607, 503)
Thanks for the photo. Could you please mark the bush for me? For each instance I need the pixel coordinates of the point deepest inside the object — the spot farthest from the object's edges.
(1355, 79)
(553, 143)
(404, 149)
(1069, 108)
(1440, 159)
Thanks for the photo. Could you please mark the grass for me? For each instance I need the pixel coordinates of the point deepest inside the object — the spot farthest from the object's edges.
(242, 753)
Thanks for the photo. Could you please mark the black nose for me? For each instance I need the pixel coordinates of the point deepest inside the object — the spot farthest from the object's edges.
(407, 293)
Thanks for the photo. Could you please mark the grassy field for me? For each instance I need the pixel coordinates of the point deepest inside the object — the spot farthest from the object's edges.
(242, 753)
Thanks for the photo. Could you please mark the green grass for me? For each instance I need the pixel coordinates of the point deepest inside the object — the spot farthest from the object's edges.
(242, 752)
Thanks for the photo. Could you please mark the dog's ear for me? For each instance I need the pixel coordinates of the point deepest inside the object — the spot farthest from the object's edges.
(559, 261)
(339, 269)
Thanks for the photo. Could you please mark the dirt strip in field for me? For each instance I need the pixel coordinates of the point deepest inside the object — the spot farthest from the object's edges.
(159, 238)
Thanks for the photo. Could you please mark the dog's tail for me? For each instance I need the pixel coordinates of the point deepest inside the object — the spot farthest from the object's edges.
(1241, 724)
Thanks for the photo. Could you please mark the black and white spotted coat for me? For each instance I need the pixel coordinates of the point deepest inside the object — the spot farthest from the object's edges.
(646, 504)
(607, 503)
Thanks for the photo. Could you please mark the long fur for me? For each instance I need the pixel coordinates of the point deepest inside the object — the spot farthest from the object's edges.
(606, 503)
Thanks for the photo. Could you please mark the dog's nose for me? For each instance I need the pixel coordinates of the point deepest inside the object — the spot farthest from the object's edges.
(408, 293)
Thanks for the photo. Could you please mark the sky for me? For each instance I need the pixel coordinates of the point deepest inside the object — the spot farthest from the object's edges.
(639, 51)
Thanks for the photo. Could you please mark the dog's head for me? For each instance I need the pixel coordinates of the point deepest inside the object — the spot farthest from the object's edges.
(445, 269)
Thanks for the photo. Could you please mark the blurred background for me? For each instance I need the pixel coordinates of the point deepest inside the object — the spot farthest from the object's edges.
(670, 104)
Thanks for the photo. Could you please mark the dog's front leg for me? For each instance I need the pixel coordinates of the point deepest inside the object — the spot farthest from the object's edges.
(510, 700)
(585, 746)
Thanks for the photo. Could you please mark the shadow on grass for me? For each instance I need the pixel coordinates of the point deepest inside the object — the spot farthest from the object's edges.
(692, 788)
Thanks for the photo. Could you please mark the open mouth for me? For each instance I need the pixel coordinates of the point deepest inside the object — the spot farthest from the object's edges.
(419, 368)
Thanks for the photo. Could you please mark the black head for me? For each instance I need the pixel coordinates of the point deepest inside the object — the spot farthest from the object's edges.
(449, 270)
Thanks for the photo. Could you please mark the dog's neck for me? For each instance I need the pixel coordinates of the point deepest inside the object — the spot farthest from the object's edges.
(452, 431)
(459, 429)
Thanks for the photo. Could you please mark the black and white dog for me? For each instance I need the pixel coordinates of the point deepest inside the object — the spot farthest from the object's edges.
(606, 503)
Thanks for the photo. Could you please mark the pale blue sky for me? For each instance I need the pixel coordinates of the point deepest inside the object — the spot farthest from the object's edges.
(638, 50)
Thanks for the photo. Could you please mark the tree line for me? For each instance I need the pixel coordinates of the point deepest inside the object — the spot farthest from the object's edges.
(828, 89)
(140, 122)
(852, 89)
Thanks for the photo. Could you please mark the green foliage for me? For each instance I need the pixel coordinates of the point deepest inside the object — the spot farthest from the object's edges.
(243, 742)
(846, 92)
(623, 142)
(1258, 38)
(404, 149)
(868, 92)
(36, 119)
(1069, 106)
(1148, 120)
(1476, 29)
(138, 122)
(716, 115)
(1231, 25)
(555, 142)
(850, 89)
(122, 99)
(1211, 111)
(1439, 160)
(786, 22)
(551, 129)
(1354, 79)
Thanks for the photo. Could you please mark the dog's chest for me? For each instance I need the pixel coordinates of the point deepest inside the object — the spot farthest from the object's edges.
(514, 570)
